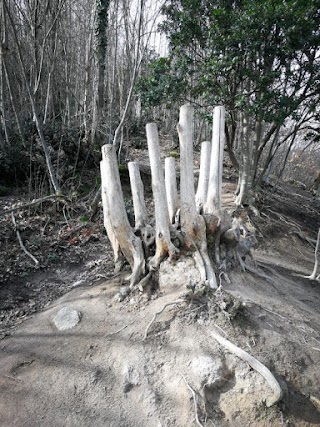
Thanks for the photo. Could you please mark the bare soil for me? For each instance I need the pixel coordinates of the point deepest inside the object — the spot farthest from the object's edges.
(102, 373)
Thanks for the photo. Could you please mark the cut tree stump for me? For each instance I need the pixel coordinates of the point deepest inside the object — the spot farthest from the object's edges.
(185, 223)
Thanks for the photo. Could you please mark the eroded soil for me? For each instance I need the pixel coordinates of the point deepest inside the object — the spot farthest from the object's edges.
(102, 373)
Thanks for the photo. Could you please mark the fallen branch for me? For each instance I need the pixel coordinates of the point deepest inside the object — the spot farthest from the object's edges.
(194, 402)
(21, 242)
(313, 275)
(32, 203)
(178, 301)
(255, 364)
(116, 332)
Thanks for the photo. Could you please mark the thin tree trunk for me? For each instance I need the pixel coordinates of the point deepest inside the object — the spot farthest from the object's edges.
(102, 8)
(164, 245)
(139, 205)
(118, 256)
(13, 103)
(171, 187)
(203, 183)
(244, 177)
(45, 147)
(216, 164)
(130, 244)
(192, 223)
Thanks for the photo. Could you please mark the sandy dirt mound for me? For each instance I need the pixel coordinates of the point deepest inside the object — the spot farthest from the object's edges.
(102, 373)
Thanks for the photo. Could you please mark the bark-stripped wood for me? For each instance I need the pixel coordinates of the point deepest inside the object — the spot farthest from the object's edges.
(202, 190)
(171, 187)
(131, 245)
(118, 257)
(195, 223)
(137, 190)
(216, 164)
(164, 245)
(192, 223)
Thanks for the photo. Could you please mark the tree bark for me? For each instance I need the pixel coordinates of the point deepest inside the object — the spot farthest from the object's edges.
(101, 25)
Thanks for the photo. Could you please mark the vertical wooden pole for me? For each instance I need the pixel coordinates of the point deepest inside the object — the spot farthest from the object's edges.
(139, 205)
(171, 187)
(216, 164)
(202, 190)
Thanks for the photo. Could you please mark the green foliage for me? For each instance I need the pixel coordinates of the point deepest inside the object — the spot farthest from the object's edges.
(255, 56)
(54, 258)
(161, 83)
(174, 154)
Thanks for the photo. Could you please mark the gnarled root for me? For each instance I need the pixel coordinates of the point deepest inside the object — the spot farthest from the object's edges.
(178, 301)
(255, 364)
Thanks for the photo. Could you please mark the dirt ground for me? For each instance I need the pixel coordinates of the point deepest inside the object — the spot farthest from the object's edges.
(102, 372)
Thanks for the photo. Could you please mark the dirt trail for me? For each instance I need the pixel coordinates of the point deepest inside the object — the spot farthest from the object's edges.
(101, 373)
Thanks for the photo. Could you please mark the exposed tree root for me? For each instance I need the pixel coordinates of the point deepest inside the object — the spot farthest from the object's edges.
(255, 364)
(194, 396)
(178, 301)
(312, 242)
(34, 259)
(313, 275)
(145, 281)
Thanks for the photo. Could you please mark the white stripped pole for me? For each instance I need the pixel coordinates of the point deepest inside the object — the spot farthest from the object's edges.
(216, 163)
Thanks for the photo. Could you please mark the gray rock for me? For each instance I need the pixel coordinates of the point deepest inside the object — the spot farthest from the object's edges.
(209, 371)
(66, 318)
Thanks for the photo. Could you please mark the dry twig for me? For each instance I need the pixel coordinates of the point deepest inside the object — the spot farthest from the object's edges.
(178, 301)
(116, 332)
(21, 242)
(194, 402)
(32, 203)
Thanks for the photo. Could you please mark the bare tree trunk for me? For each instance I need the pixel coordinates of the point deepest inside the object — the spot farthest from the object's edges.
(203, 183)
(102, 8)
(44, 144)
(193, 224)
(2, 107)
(171, 187)
(216, 164)
(139, 205)
(118, 257)
(130, 244)
(195, 228)
(3, 49)
(164, 245)
(244, 176)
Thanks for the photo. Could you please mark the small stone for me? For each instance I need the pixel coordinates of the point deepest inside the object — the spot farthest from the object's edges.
(124, 290)
(66, 318)
(209, 371)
